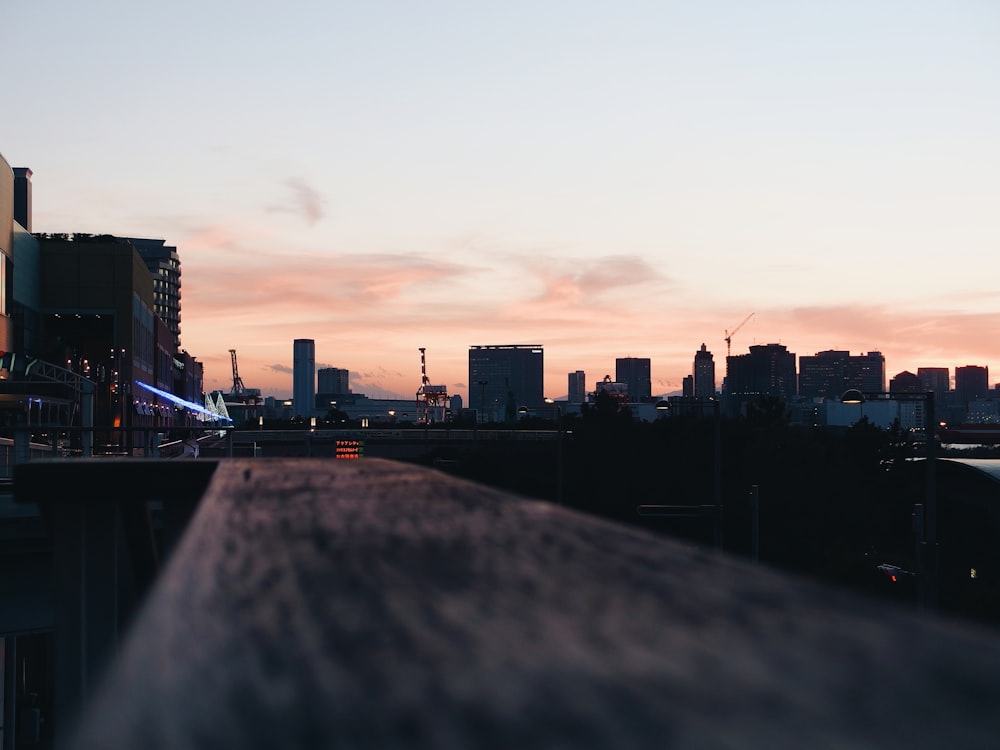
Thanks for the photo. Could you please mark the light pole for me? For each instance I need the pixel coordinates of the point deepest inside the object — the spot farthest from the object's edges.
(559, 450)
(924, 518)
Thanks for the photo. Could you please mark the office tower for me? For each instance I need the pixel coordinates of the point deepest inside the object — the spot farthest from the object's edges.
(504, 378)
(768, 370)
(703, 372)
(165, 266)
(906, 382)
(577, 387)
(635, 373)
(304, 377)
(971, 383)
(936, 379)
(100, 322)
(333, 380)
(687, 386)
(872, 367)
(830, 373)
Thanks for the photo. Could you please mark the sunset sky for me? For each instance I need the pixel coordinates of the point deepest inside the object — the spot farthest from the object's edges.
(605, 179)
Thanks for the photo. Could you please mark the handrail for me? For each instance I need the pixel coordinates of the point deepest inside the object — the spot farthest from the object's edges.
(316, 603)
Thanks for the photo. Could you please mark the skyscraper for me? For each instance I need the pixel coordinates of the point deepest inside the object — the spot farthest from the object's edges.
(831, 373)
(333, 380)
(768, 370)
(635, 373)
(577, 387)
(304, 377)
(164, 264)
(936, 379)
(504, 378)
(971, 382)
(703, 372)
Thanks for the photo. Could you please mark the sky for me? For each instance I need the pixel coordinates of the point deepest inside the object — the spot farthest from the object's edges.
(604, 179)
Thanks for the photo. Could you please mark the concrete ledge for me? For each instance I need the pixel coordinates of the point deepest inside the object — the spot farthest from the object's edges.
(369, 604)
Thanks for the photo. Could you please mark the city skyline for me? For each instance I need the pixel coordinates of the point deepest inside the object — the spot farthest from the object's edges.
(627, 182)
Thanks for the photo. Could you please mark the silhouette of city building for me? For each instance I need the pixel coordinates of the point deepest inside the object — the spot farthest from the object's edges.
(164, 264)
(332, 384)
(906, 382)
(99, 320)
(304, 377)
(687, 386)
(18, 301)
(703, 373)
(767, 370)
(577, 388)
(333, 380)
(616, 389)
(634, 372)
(503, 378)
(872, 372)
(936, 379)
(971, 383)
(830, 373)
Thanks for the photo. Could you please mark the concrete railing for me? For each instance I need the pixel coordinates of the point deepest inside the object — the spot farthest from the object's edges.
(371, 604)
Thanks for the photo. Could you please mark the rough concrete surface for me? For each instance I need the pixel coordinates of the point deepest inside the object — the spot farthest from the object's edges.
(370, 604)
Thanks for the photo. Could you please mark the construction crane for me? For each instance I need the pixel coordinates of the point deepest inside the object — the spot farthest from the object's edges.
(729, 335)
(238, 387)
(432, 400)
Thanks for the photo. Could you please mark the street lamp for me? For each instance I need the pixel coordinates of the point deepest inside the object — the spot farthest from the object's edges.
(925, 518)
(854, 396)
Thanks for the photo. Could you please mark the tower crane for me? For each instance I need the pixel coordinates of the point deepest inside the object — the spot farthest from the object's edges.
(729, 334)
(424, 380)
(432, 400)
(238, 387)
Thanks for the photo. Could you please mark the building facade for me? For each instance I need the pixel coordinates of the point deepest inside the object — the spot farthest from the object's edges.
(333, 380)
(635, 373)
(830, 373)
(767, 371)
(504, 378)
(98, 320)
(304, 377)
(936, 379)
(703, 374)
(577, 387)
(165, 266)
(972, 382)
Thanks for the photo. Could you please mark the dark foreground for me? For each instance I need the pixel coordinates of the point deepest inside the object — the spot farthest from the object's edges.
(376, 604)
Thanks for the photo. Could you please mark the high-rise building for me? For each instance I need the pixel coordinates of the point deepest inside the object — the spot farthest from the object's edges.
(872, 372)
(971, 382)
(99, 321)
(830, 373)
(504, 378)
(768, 370)
(906, 382)
(304, 377)
(577, 387)
(935, 379)
(164, 264)
(333, 380)
(703, 372)
(635, 373)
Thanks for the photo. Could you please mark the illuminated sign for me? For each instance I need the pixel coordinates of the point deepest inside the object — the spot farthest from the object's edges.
(350, 449)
